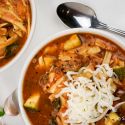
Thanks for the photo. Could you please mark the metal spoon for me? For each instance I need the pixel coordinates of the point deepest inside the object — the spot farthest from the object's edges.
(11, 106)
(79, 15)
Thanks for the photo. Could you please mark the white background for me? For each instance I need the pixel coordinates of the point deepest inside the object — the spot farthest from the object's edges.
(111, 12)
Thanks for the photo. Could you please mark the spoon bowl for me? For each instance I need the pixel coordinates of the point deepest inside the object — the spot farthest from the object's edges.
(75, 14)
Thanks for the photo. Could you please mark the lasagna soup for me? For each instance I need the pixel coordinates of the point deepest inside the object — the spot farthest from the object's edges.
(78, 79)
(15, 21)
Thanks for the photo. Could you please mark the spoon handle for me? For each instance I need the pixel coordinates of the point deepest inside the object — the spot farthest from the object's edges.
(108, 28)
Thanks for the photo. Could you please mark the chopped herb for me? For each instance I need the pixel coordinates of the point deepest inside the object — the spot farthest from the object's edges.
(1, 112)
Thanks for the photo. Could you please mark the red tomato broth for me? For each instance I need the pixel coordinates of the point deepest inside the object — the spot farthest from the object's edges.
(31, 82)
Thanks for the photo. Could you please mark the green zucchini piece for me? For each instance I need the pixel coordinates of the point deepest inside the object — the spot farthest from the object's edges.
(73, 42)
(32, 103)
(1, 112)
(120, 72)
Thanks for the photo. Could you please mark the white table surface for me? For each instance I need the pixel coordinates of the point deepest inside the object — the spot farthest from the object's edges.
(111, 12)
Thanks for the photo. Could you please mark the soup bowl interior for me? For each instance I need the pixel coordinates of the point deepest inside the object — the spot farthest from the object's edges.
(42, 44)
(33, 15)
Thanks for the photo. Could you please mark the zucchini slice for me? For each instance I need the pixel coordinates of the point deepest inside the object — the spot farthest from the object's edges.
(46, 61)
(112, 119)
(120, 72)
(32, 103)
(72, 43)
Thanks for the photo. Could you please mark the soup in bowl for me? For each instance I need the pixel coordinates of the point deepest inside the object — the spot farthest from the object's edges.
(17, 22)
(76, 77)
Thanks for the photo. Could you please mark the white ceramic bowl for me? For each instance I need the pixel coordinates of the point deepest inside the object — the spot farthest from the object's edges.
(63, 33)
(33, 12)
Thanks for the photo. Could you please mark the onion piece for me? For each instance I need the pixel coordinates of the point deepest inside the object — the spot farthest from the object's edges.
(118, 105)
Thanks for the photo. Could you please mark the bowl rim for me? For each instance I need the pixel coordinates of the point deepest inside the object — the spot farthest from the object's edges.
(104, 34)
(33, 25)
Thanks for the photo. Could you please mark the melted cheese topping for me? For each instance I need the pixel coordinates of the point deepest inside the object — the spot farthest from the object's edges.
(89, 99)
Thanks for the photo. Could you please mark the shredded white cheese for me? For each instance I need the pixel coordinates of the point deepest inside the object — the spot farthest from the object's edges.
(88, 99)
